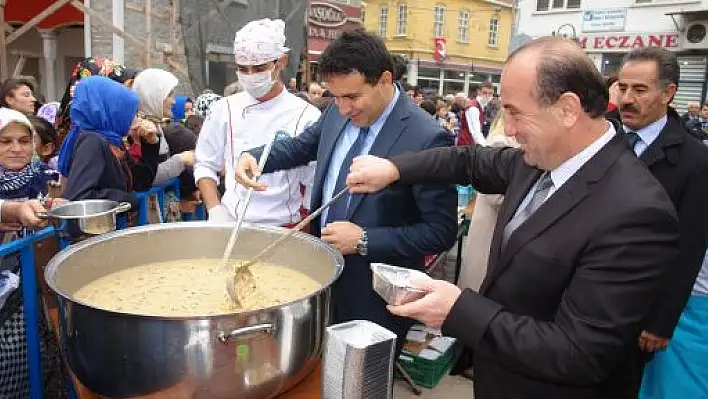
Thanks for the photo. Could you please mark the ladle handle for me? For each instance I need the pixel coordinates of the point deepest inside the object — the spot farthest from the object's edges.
(298, 227)
(242, 212)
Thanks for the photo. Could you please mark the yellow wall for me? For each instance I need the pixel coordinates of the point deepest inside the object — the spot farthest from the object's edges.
(419, 39)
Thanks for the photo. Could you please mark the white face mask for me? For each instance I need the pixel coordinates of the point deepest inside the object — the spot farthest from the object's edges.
(257, 84)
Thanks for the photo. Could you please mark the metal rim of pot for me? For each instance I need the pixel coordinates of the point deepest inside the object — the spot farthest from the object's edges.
(59, 258)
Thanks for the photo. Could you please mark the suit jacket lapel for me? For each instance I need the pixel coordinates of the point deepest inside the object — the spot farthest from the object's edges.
(560, 203)
(390, 131)
(511, 204)
(663, 147)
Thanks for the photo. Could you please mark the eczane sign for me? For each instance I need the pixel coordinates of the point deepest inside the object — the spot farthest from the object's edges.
(629, 41)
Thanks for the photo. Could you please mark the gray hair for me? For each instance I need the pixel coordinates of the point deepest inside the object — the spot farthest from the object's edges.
(666, 63)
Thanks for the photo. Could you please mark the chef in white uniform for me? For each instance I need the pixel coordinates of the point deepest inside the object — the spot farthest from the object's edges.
(251, 119)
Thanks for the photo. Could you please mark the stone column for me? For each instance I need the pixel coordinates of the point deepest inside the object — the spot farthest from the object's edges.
(49, 58)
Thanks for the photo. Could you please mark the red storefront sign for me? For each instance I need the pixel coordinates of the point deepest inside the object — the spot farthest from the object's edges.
(626, 42)
(325, 21)
(440, 53)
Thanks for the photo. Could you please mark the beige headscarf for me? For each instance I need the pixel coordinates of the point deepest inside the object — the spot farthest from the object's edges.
(260, 41)
(153, 86)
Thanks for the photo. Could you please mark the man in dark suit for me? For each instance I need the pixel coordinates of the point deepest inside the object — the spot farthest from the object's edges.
(582, 244)
(648, 82)
(397, 226)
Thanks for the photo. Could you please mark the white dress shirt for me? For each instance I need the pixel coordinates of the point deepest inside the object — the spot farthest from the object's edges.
(647, 135)
(561, 174)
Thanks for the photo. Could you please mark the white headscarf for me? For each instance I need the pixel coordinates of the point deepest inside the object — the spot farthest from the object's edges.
(153, 86)
(8, 115)
(260, 41)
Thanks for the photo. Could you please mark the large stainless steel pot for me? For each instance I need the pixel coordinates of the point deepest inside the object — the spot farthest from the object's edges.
(242, 355)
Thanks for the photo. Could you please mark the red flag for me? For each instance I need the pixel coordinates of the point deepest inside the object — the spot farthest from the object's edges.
(440, 49)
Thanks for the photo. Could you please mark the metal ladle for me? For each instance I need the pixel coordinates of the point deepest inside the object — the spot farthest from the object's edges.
(243, 282)
(241, 213)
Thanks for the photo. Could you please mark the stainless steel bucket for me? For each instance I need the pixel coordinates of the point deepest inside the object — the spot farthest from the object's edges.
(90, 217)
(255, 354)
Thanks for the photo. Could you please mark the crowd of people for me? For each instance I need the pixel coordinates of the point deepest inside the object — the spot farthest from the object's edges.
(585, 270)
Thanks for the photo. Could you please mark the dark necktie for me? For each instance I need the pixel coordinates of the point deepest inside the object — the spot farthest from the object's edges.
(338, 210)
(545, 184)
(632, 138)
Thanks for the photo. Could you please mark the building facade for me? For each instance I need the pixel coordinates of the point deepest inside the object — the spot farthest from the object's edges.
(325, 21)
(608, 29)
(451, 45)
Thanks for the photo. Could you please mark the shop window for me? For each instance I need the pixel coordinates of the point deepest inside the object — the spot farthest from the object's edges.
(429, 73)
(611, 64)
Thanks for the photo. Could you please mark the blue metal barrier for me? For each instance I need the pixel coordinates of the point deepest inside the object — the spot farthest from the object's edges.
(30, 297)
(159, 191)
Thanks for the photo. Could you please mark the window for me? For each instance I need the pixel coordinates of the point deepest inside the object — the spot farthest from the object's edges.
(402, 18)
(493, 31)
(439, 20)
(552, 5)
(383, 21)
(463, 26)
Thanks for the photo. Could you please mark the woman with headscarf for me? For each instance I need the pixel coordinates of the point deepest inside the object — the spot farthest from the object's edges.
(155, 89)
(93, 156)
(91, 66)
(182, 108)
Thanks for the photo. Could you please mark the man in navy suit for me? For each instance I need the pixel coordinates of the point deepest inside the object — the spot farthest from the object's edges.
(396, 226)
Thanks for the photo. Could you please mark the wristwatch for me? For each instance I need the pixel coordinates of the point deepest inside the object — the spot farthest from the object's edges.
(362, 246)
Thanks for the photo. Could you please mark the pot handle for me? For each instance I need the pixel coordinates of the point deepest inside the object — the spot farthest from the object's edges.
(225, 337)
(122, 207)
(43, 215)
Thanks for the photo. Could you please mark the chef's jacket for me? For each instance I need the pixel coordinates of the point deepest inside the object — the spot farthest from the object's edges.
(238, 123)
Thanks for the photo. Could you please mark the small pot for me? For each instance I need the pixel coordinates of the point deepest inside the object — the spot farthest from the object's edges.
(92, 217)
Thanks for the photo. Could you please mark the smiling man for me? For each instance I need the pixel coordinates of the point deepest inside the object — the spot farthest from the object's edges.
(582, 243)
(398, 226)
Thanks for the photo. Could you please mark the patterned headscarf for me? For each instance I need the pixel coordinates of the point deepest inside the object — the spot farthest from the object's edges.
(97, 66)
(30, 181)
(204, 103)
(49, 111)
(102, 106)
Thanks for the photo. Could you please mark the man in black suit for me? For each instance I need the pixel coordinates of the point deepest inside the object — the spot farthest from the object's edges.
(581, 246)
(398, 226)
(648, 82)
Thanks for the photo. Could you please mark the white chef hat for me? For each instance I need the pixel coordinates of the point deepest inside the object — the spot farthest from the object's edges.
(260, 41)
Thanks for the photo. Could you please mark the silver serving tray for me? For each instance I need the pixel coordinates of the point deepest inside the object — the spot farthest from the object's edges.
(393, 283)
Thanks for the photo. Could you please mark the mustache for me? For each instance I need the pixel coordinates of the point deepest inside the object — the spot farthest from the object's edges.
(629, 107)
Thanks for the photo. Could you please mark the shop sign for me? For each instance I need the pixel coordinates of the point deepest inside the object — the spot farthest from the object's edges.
(440, 49)
(626, 42)
(610, 20)
(326, 15)
(325, 21)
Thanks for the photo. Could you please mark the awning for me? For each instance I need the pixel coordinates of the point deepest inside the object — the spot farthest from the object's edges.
(22, 11)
